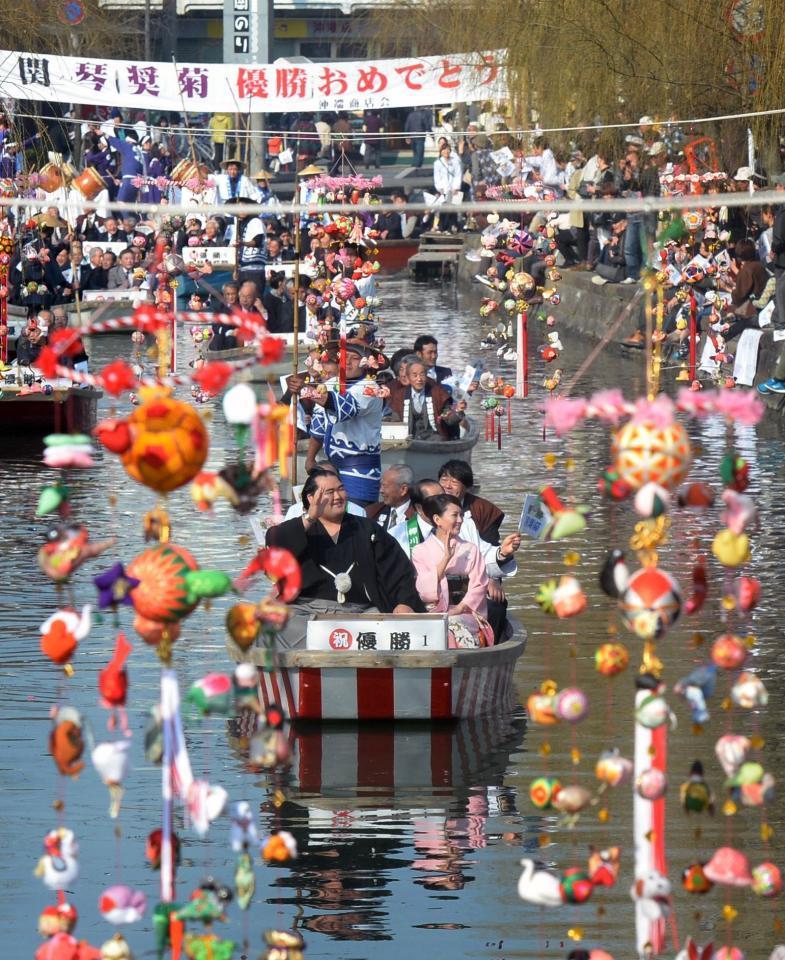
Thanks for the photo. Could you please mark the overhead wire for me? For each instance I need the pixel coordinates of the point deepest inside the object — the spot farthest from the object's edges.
(437, 131)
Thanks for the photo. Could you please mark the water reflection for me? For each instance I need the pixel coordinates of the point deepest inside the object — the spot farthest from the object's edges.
(411, 838)
(377, 806)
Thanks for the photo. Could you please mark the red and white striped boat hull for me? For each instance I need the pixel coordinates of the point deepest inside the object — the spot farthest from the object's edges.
(444, 685)
(378, 760)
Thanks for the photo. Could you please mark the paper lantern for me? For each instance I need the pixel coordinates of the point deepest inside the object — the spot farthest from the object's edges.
(163, 443)
(651, 603)
(645, 452)
(611, 659)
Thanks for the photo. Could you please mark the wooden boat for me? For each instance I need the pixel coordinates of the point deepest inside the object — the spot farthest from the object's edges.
(423, 456)
(262, 374)
(407, 685)
(394, 254)
(426, 456)
(96, 305)
(70, 408)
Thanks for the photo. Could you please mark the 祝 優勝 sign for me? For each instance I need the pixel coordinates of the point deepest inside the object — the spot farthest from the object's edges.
(352, 633)
(267, 88)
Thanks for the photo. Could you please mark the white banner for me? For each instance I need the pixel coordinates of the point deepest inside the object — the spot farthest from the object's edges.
(133, 296)
(107, 246)
(236, 88)
(367, 631)
(216, 256)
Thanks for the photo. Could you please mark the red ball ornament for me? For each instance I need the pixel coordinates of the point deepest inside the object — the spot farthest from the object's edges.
(611, 659)
(651, 603)
(728, 652)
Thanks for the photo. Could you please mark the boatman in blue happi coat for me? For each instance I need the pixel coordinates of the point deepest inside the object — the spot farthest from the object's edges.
(349, 426)
(131, 163)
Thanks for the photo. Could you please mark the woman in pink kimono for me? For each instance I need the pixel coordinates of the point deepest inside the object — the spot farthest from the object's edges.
(451, 576)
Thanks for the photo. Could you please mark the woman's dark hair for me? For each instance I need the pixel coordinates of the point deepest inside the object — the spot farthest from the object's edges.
(436, 505)
(459, 470)
(310, 486)
(395, 359)
(745, 249)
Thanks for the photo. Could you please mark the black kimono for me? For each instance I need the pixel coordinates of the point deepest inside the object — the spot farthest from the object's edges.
(381, 574)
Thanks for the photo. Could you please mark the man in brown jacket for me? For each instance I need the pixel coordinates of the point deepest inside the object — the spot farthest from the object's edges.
(425, 406)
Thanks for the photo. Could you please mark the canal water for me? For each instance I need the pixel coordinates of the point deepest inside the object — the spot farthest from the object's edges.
(411, 837)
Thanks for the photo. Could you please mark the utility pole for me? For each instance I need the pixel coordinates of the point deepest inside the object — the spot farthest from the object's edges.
(248, 34)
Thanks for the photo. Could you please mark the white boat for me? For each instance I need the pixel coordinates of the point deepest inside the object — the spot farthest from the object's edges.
(426, 456)
(414, 684)
(423, 456)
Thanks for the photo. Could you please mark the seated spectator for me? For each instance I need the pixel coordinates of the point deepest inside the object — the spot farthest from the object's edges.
(610, 266)
(451, 575)
(427, 347)
(99, 275)
(225, 335)
(424, 406)
(750, 280)
(348, 563)
(396, 503)
(32, 339)
(456, 478)
(297, 509)
(392, 223)
(76, 356)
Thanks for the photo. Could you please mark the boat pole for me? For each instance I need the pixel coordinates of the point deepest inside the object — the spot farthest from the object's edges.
(693, 333)
(296, 323)
(522, 363)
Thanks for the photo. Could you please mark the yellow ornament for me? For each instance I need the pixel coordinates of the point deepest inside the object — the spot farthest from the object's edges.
(731, 549)
(162, 444)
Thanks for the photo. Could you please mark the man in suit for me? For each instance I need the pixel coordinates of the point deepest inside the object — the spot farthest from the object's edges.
(75, 274)
(121, 276)
(112, 233)
(100, 266)
(423, 405)
(427, 348)
(395, 491)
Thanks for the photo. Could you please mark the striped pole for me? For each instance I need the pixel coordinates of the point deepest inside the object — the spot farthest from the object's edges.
(522, 363)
